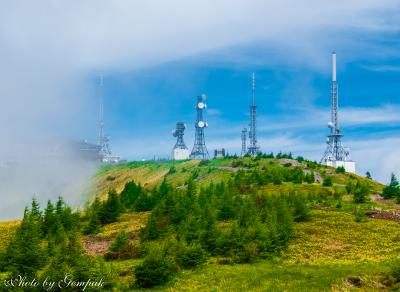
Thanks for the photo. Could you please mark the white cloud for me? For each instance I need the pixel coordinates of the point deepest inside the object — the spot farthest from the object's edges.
(383, 68)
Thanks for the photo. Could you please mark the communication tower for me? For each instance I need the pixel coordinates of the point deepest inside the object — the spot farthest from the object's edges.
(180, 151)
(199, 150)
(253, 148)
(105, 151)
(335, 155)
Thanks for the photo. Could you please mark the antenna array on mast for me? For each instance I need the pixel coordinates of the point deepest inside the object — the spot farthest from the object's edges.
(335, 155)
(253, 148)
(199, 150)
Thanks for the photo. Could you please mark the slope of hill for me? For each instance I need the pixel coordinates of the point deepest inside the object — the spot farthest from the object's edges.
(151, 173)
(339, 246)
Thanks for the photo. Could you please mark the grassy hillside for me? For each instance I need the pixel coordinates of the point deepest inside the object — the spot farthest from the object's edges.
(7, 230)
(330, 252)
(151, 173)
(337, 248)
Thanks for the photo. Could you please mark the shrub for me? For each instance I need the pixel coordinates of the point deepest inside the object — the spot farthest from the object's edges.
(392, 278)
(360, 215)
(172, 170)
(395, 270)
(189, 257)
(340, 169)
(224, 261)
(309, 178)
(301, 211)
(360, 193)
(156, 269)
(250, 252)
(327, 182)
(203, 163)
(195, 174)
(119, 241)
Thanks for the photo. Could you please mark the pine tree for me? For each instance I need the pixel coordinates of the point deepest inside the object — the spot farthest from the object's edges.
(111, 209)
(65, 215)
(24, 254)
(119, 242)
(49, 219)
(35, 210)
(151, 231)
(143, 203)
(93, 214)
(191, 188)
(393, 189)
(130, 194)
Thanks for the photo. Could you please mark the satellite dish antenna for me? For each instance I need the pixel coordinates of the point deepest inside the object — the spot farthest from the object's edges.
(330, 125)
(201, 105)
(201, 124)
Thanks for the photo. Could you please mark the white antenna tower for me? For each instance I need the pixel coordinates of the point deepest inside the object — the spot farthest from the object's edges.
(253, 148)
(335, 154)
(105, 151)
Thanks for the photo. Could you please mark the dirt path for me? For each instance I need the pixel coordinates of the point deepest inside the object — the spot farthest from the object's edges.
(231, 168)
(386, 215)
(95, 245)
(391, 214)
(380, 200)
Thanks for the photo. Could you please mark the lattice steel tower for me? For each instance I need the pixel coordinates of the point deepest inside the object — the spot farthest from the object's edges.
(199, 150)
(103, 138)
(253, 148)
(180, 151)
(334, 151)
(178, 132)
(244, 145)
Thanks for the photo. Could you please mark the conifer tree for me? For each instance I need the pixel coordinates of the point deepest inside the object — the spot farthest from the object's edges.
(24, 254)
(130, 194)
(49, 219)
(393, 189)
(191, 188)
(111, 209)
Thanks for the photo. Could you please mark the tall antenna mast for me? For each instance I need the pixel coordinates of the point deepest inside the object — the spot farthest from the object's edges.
(101, 111)
(105, 150)
(199, 150)
(253, 148)
(335, 152)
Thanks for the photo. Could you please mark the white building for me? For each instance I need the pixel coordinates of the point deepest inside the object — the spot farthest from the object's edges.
(349, 166)
(180, 154)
